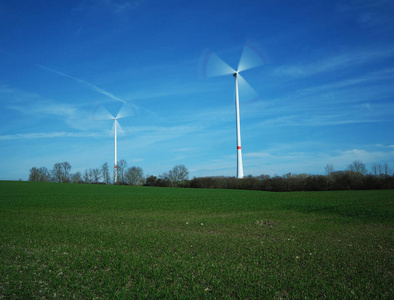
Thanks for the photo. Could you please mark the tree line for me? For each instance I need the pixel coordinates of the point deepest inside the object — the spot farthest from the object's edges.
(354, 177)
(61, 173)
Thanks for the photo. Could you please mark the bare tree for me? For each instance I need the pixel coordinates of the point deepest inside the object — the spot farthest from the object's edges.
(44, 174)
(61, 172)
(105, 173)
(39, 174)
(86, 177)
(76, 177)
(386, 170)
(96, 175)
(34, 174)
(377, 169)
(178, 174)
(66, 171)
(90, 175)
(357, 167)
(57, 172)
(134, 176)
(329, 168)
(121, 166)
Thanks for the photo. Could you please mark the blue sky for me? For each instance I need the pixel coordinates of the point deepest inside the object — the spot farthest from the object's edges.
(324, 84)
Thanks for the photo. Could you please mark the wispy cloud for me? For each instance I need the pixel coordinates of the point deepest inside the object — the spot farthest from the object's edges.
(358, 99)
(46, 135)
(73, 116)
(385, 146)
(86, 84)
(350, 58)
(122, 7)
(46, 108)
(370, 14)
(368, 78)
(100, 90)
(148, 135)
(118, 7)
(325, 119)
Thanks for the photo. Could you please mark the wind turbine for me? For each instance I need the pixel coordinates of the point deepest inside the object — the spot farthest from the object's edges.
(116, 155)
(240, 168)
(103, 113)
(250, 58)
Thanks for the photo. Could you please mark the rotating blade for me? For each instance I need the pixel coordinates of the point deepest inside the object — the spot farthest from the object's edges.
(126, 111)
(213, 65)
(247, 93)
(119, 129)
(101, 113)
(251, 58)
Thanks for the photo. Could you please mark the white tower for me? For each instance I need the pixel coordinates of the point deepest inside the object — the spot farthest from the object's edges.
(116, 159)
(240, 169)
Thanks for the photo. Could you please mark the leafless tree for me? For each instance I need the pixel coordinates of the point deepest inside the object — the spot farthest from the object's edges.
(96, 174)
(105, 173)
(386, 170)
(357, 167)
(57, 172)
(90, 175)
(381, 169)
(121, 171)
(86, 177)
(377, 169)
(34, 175)
(61, 172)
(76, 177)
(39, 174)
(66, 167)
(329, 168)
(178, 174)
(45, 175)
(134, 176)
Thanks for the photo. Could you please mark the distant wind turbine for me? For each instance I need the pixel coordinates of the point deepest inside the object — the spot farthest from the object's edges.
(116, 156)
(102, 113)
(213, 64)
(240, 168)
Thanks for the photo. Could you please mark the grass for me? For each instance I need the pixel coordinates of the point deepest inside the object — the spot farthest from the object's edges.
(108, 242)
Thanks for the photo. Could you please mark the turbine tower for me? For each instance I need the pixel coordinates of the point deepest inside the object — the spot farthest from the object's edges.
(101, 113)
(213, 65)
(116, 158)
(240, 168)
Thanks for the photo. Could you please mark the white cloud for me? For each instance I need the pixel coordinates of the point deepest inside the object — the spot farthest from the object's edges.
(372, 77)
(45, 108)
(46, 135)
(99, 90)
(86, 84)
(118, 7)
(258, 155)
(350, 58)
(361, 99)
(148, 135)
(385, 146)
(369, 14)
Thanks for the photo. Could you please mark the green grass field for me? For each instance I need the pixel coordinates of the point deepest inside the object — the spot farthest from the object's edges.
(104, 242)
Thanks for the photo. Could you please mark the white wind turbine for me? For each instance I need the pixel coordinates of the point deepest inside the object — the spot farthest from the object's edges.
(116, 154)
(105, 114)
(250, 58)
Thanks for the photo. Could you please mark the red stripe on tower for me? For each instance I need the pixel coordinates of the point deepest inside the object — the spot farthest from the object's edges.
(115, 167)
(239, 147)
